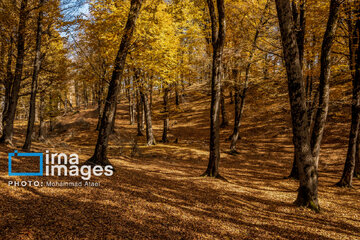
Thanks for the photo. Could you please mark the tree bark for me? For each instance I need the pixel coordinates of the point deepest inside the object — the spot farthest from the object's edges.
(324, 85)
(166, 115)
(224, 118)
(300, 23)
(218, 29)
(9, 117)
(138, 113)
(41, 135)
(100, 92)
(347, 176)
(357, 159)
(100, 154)
(308, 190)
(149, 131)
(34, 82)
(8, 80)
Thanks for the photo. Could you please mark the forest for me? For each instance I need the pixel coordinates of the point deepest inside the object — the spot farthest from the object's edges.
(179, 119)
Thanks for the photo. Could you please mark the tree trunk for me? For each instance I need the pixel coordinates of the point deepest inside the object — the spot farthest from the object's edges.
(218, 30)
(10, 114)
(299, 22)
(149, 131)
(239, 107)
(85, 94)
(324, 86)
(308, 190)
(346, 179)
(100, 104)
(177, 97)
(41, 135)
(114, 120)
(357, 159)
(8, 80)
(130, 99)
(138, 114)
(224, 118)
(34, 83)
(166, 115)
(100, 154)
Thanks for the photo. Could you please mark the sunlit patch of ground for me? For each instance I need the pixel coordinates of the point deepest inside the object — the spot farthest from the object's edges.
(156, 193)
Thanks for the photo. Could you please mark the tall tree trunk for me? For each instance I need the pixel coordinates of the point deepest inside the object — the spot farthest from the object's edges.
(239, 107)
(300, 23)
(308, 190)
(100, 154)
(347, 176)
(149, 131)
(10, 114)
(324, 86)
(8, 80)
(34, 82)
(218, 30)
(166, 115)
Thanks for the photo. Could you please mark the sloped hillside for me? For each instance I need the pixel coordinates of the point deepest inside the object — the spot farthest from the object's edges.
(156, 192)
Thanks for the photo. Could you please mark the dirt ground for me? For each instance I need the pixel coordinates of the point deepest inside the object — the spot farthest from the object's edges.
(157, 192)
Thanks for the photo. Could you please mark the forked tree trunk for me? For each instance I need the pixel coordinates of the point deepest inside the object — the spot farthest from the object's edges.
(347, 176)
(308, 190)
(166, 115)
(149, 131)
(34, 82)
(9, 116)
(218, 30)
(100, 154)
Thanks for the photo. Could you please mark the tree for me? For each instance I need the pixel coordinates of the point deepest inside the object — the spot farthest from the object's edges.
(9, 115)
(241, 95)
(100, 154)
(350, 163)
(35, 76)
(218, 30)
(307, 192)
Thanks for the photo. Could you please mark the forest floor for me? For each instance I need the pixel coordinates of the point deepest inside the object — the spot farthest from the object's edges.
(159, 194)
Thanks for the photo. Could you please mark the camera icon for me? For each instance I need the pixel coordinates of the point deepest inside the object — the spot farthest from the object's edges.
(16, 154)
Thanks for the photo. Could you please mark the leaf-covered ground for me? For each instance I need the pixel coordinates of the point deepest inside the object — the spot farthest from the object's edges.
(156, 192)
